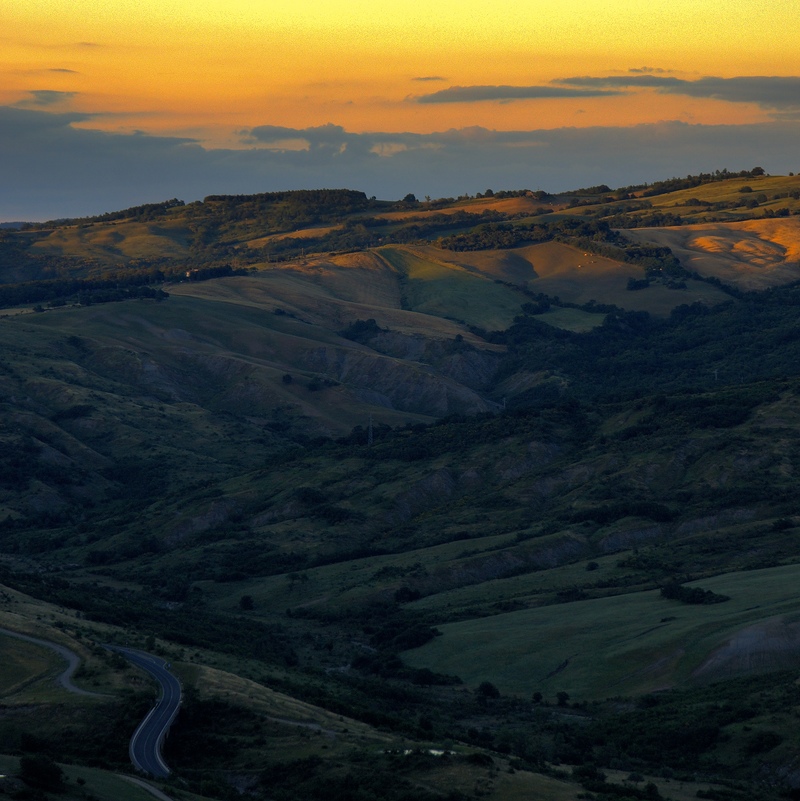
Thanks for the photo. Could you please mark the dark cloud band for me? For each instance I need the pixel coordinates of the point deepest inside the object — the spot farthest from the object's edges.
(769, 91)
(51, 168)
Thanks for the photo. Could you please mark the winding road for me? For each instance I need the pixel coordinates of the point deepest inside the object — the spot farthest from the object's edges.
(73, 660)
(148, 739)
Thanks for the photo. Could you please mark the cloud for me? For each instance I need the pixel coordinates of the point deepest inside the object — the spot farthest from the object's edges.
(48, 97)
(768, 91)
(429, 78)
(624, 81)
(476, 94)
(53, 169)
(63, 69)
(328, 135)
(650, 70)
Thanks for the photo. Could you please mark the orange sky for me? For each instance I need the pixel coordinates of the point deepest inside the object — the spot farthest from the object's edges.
(108, 103)
(208, 68)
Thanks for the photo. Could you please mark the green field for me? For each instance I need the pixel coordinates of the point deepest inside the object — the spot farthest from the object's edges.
(83, 782)
(445, 290)
(628, 644)
(22, 663)
(117, 242)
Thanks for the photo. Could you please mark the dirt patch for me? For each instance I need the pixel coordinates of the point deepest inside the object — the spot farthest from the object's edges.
(771, 645)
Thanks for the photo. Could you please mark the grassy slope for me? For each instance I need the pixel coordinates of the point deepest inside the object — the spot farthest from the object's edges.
(22, 663)
(118, 241)
(445, 290)
(724, 191)
(625, 645)
(753, 255)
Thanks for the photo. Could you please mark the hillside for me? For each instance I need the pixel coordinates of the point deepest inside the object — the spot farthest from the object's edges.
(483, 497)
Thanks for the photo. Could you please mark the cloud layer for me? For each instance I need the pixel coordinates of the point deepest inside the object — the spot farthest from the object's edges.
(53, 169)
(768, 91)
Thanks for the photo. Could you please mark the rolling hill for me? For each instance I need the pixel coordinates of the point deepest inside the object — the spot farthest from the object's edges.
(490, 497)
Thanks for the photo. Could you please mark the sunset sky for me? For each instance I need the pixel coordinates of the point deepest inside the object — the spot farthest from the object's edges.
(106, 104)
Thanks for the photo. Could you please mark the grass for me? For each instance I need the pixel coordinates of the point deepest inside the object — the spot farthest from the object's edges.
(754, 255)
(295, 716)
(118, 241)
(573, 275)
(721, 191)
(231, 357)
(342, 583)
(23, 663)
(446, 290)
(102, 785)
(612, 646)
(572, 319)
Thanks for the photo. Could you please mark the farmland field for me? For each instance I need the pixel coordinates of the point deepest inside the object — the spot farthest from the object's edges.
(628, 644)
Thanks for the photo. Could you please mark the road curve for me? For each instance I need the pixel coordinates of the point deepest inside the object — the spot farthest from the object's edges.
(73, 660)
(148, 739)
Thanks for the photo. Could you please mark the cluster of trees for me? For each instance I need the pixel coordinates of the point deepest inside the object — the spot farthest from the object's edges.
(633, 353)
(142, 213)
(691, 181)
(675, 591)
(281, 211)
(492, 236)
(112, 286)
(365, 232)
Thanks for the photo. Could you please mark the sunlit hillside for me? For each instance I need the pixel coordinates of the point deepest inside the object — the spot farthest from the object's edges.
(755, 254)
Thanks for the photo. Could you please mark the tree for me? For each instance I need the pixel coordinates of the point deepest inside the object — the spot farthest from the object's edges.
(38, 770)
(562, 698)
(246, 603)
(487, 690)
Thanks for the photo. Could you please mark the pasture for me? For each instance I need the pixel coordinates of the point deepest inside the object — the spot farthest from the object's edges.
(753, 254)
(116, 242)
(23, 663)
(627, 644)
(446, 290)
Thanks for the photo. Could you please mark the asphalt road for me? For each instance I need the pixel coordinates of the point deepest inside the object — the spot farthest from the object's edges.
(147, 740)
